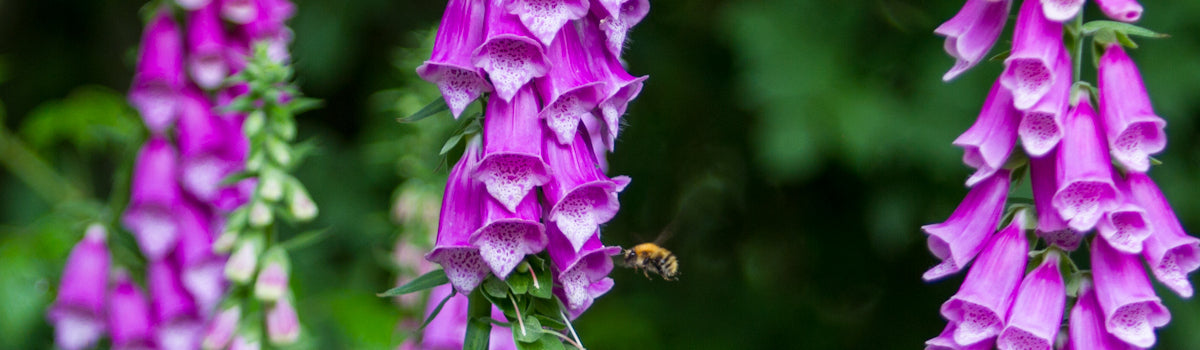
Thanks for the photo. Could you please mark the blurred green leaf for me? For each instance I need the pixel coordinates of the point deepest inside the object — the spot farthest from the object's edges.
(1093, 27)
(433, 108)
(450, 143)
(429, 280)
(90, 118)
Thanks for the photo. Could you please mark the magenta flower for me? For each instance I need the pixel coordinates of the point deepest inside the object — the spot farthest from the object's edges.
(1131, 309)
(192, 5)
(616, 18)
(272, 281)
(958, 239)
(206, 46)
(945, 341)
(283, 327)
(509, 54)
(982, 303)
(544, 18)
(159, 75)
(201, 272)
(512, 162)
(204, 146)
(1171, 253)
(583, 273)
(450, 67)
(971, 33)
(1061, 10)
(1036, 313)
(129, 320)
(1085, 187)
(1042, 125)
(1029, 71)
(1134, 131)
(580, 196)
(506, 237)
(1050, 225)
(78, 311)
(987, 144)
(239, 11)
(571, 88)
(621, 87)
(1125, 227)
(1087, 330)
(1121, 10)
(460, 218)
(221, 328)
(155, 199)
(176, 319)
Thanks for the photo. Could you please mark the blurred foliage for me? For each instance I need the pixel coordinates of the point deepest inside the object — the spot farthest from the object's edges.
(797, 145)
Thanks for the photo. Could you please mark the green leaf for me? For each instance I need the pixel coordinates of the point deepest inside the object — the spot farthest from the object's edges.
(437, 106)
(304, 104)
(478, 330)
(519, 283)
(495, 288)
(237, 177)
(544, 286)
(1120, 27)
(530, 332)
(1125, 40)
(438, 309)
(453, 141)
(552, 322)
(305, 239)
(546, 342)
(429, 280)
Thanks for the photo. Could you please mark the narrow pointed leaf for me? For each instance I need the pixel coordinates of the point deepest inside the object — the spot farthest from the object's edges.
(429, 280)
(431, 109)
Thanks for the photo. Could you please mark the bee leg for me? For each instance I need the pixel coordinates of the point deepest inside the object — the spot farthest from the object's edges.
(646, 272)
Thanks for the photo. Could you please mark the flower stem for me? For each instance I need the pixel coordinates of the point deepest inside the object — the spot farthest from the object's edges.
(564, 337)
(1077, 50)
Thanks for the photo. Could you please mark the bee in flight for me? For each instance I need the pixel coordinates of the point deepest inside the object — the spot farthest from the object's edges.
(649, 257)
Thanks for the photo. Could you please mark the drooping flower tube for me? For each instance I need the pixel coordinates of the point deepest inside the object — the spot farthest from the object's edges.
(460, 218)
(220, 329)
(283, 326)
(509, 54)
(1085, 187)
(583, 273)
(1087, 330)
(78, 311)
(1171, 253)
(450, 67)
(159, 75)
(571, 88)
(155, 198)
(1131, 309)
(1134, 131)
(580, 196)
(982, 303)
(1036, 313)
(1043, 182)
(987, 144)
(202, 273)
(971, 33)
(204, 146)
(544, 18)
(1125, 227)
(1121, 10)
(1041, 125)
(506, 237)
(616, 18)
(958, 239)
(206, 46)
(621, 87)
(512, 162)
(1061, 10)
(1029, 71)
(945, 341)
(239, 11)
(129, 321)
(175, 314)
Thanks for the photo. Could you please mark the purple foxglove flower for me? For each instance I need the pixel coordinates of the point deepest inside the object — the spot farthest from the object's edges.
(1134, 131)
(460, 218)
(1036, 313)
(178, 325)
(571, 87)
(1042, 125)
(958, 239)
(193, 5)
(1050, 226)
(506, 237)
(221, 327)
(598, 140)
(621, 87)
(129, 321)
(283, 327)
(971, 33)
(583, 273)
(159, 75)
(615, 18)
(987, 144)
(1037, 46)
(269, 19)
(154, 199)
(1125, 227)
(1087, 330)
(1061, 10)
(1121, 10)
(508, 54)
(544, 18)
(512, 154)
(447, 330)
(239, 11)
(206, 46)
(450, 67)
(1131, 309)
(78, 311)
(207, 147)
(202, 272)
(981, 305)
(580, 196)
(1171, 253)
(945, 341)
(1085, 187)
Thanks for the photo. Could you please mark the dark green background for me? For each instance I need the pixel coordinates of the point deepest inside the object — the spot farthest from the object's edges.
(799, 145)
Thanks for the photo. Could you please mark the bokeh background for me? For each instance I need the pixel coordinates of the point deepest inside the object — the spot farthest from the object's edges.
(797, 146)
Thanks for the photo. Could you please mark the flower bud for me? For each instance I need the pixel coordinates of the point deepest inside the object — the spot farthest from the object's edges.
(254, 123)
(270, 184)
(272, 280)
(260, 214)
(279, 151)
(241, 265)
(283, 327)
(300, 204)
(220, 329)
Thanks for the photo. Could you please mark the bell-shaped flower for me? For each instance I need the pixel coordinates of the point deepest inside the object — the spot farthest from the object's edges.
(272, 281)
(221, 328)
(192, 5)
(507, 236)
(1085, 187)
(1050, 225)
(268, 23)
(243, 262)
(958, 239)
(447, 330)
(1134, 131)
(571, 88)
(1126, 226)
(1131, 309)
(239, 11)
(1171, 253)
(1121, 10)
(512, 162)
(621, 87)
(971, 33)
(509, 54)
(206, 46)
(544, 18)
(987, 144)
(202, 272)
(1042, 124)
(450, 67)
(580, 196)
(616, 18)
(204, 146)
(598, 139)
(78, 311)
(583, 273)
(945, 341)
(1029, 71)
(1086, 330)
(283, 327)
(154, 199)
(1061, 10)
(159, 75)
(981, 305)
(1036, 313)
(175, 316)
(129, 322)
(460, 218)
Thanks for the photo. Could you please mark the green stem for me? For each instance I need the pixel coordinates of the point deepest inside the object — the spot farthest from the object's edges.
(1077, 51)
(31, 169)
(478, 332)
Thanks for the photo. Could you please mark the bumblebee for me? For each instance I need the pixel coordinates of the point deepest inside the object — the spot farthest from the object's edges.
(650, 257)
